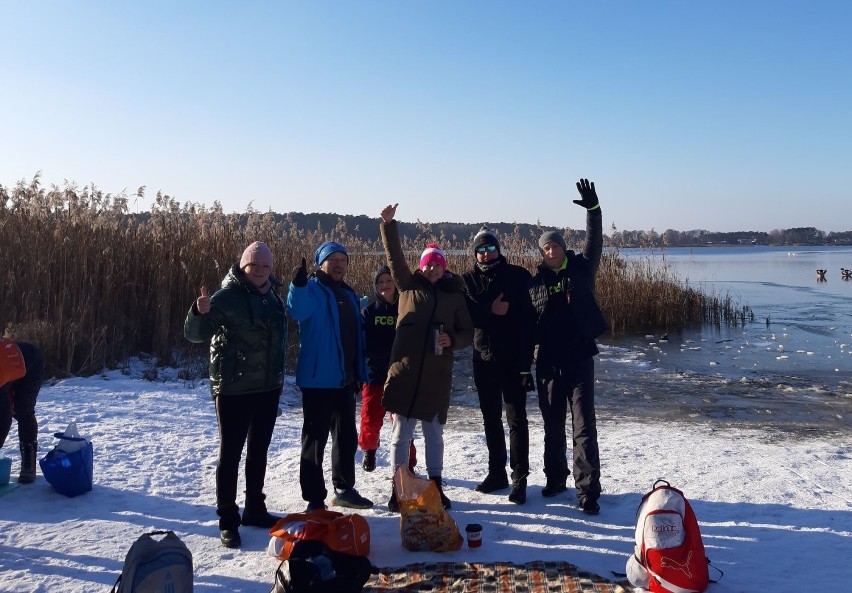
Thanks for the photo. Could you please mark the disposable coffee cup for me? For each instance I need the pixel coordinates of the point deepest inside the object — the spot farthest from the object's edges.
(474, 535)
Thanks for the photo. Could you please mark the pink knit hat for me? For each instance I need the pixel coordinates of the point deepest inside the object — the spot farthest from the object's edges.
(433, 254)
(256, 253)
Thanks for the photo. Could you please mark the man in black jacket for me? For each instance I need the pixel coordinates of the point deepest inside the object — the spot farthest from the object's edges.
(568, 320)
(502, 314)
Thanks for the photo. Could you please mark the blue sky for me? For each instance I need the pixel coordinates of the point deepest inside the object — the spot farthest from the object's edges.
(723, 116)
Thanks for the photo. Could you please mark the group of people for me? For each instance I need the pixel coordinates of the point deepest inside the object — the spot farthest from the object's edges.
(398, 351)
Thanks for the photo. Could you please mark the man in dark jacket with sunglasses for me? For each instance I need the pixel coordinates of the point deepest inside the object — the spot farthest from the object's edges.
(502, 315)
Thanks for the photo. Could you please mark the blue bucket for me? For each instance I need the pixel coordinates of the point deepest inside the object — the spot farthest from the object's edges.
(5, 470)
(69, 473)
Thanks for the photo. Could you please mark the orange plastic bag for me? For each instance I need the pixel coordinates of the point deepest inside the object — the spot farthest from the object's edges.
(12, 366)
(424, 524)
(349, 534)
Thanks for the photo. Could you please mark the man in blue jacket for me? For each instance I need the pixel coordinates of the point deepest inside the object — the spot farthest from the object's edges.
(568, 321)
(331, 364)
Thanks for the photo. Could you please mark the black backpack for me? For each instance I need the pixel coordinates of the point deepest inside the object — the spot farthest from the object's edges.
(313, 567)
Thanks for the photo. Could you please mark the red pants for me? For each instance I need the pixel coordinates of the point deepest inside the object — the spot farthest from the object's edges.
(372, 418)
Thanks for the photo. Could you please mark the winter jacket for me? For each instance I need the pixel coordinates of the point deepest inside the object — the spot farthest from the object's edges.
(419, 381)
(505, 339)
(321, 362)
(379, 331)
(248, 336)
(565, 332)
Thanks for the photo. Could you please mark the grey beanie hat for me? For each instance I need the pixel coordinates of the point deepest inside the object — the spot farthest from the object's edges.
(552, 237)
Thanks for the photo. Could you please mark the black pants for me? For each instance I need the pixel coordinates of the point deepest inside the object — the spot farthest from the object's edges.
(249, 417)
(558, 389)
(18, 398)
(497, 386)
(327, 411)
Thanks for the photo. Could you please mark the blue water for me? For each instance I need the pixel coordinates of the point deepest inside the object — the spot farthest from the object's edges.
(791, 368)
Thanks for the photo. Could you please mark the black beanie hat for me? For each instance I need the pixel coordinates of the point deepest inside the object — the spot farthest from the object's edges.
(552, 237)
(485, 237)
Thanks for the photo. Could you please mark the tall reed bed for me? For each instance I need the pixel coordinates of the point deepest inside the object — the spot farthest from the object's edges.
(93, 285)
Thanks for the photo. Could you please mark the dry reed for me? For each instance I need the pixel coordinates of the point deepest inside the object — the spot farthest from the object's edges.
(93, 284)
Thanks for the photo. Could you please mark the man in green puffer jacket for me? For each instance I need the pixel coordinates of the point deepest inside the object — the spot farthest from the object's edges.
(246, 323)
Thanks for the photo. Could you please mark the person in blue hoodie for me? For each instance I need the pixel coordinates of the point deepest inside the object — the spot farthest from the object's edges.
(330, 366)
(380, 318)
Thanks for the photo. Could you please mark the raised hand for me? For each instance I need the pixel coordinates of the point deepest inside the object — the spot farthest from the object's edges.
(202, 303)
(499, 306)
(588, 195)
(300, 274)
(388, 212)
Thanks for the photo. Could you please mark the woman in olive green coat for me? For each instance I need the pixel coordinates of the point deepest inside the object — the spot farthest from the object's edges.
(246, 324)
(433, 322)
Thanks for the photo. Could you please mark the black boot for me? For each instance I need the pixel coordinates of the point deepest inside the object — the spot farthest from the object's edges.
(229, 525)
(258, 517)
(255, 513)
(393, 501)
(518, 495)
(493, 481)
(369, 463)
(29, 452)
(439, 483)
(554, 487)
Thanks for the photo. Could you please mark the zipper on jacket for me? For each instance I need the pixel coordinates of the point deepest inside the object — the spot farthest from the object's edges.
(425, 349)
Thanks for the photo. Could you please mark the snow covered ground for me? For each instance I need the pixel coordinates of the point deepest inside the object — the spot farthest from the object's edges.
(775, 509)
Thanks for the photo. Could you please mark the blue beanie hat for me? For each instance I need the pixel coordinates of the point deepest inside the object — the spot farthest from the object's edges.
(326, 249)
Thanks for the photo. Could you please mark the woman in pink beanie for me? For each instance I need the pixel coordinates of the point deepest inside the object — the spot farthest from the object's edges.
(433, 322)
(246, 325)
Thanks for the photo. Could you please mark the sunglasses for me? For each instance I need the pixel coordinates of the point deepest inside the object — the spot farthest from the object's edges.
(486, 249)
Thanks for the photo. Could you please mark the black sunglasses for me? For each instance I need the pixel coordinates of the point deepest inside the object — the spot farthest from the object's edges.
(486, 248)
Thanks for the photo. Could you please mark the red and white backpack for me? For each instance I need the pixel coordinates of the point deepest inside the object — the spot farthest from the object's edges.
(669, 555)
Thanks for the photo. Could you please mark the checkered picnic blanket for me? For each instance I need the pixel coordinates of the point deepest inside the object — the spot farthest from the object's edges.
(502, 577)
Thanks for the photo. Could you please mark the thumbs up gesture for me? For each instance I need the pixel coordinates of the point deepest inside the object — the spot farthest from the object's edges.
(499, 306)
(202, 303)
(388, 212)
(300, 274)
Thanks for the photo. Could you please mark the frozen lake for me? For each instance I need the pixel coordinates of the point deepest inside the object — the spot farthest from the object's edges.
(790, 370)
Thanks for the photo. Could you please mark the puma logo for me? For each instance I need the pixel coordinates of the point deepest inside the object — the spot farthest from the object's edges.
(683, 567)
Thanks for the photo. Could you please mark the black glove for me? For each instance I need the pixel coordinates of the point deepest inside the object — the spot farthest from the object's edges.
(588, 196)
(300, 274)
(527, 381)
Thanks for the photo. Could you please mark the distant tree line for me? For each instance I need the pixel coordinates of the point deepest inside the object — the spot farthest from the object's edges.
(367, 229)
(697, 238)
